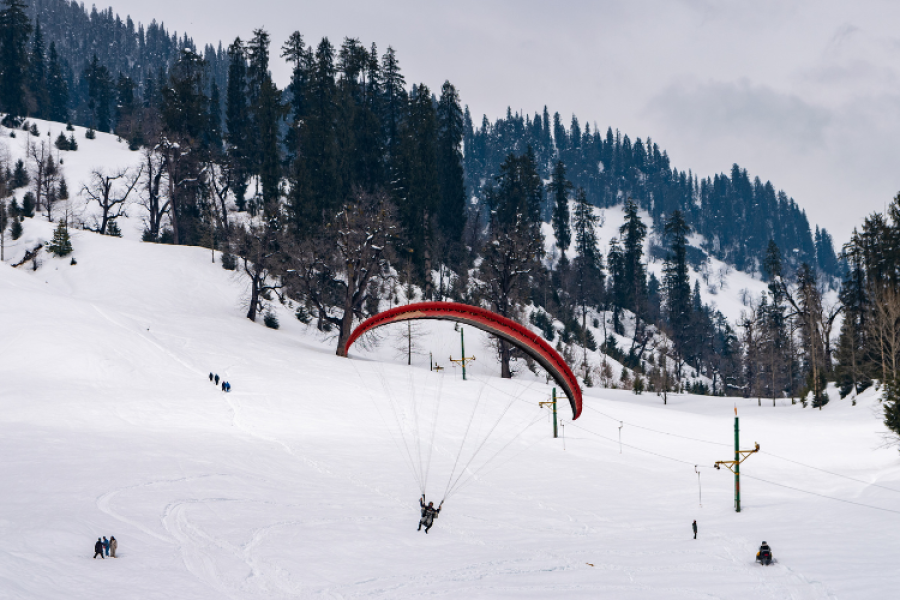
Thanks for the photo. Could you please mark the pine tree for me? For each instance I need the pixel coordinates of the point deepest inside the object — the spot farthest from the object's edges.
(61, 244)
(15, 230)
(237, 121)
(37, 75)
(559, 189)
(515, 245)
(416, 182)
(57, 88)
(14, 31)
(634, 273)
(213, 137)
(4, 219)
(19, 177)
(677, 282)
(452, 211)
(393, 86)
(100, 94)
(588, 264)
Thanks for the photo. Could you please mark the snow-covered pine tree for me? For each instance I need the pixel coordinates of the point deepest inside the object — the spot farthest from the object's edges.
(61, 245)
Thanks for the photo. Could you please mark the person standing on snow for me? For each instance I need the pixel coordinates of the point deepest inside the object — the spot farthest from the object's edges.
(217, 379)
(227, 387)
(694, 527)
(223, 385)
(210, 376)
(98, 548)
(106, 545)
(113, 545)
(429, 513)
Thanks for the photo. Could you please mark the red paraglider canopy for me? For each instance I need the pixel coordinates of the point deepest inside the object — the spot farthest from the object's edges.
(480, 318)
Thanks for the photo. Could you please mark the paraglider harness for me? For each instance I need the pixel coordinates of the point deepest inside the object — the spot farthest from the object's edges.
(429, 513)
(764, 556)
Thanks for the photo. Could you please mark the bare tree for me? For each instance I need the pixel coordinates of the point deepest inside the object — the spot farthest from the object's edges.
(259, 246)
(336, 282)
(511, 255)
(154, 168)
(110, 191)
(884, 328)
(39, 154)
(219, 178)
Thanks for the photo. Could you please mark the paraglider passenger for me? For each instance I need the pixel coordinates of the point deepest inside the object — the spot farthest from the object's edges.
(429, 513)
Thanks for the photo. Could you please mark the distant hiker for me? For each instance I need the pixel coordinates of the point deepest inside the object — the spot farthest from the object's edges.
(210, 376)
(694, 527)
(429, 513)
(106, 545)
(217, 379)
(113, 545)
(98, 548)
(227, 387)
(223, 386)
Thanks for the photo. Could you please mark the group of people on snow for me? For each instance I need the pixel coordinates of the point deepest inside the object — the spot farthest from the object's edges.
(107, 546)
(226, 387)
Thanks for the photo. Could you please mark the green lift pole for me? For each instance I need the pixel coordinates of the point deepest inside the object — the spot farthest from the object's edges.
(737, 466)
(553, 404)
(462, 343)
(554, 412)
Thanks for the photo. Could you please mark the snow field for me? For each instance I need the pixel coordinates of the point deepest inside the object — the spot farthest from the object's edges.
(295, 484)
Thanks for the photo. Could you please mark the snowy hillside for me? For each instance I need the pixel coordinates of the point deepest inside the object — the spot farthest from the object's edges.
(297, 484)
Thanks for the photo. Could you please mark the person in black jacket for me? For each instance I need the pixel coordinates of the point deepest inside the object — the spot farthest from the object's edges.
(765, 554)
(98, 549)
(694, 527)
(429, 513)
(210, 376)
(217, 379)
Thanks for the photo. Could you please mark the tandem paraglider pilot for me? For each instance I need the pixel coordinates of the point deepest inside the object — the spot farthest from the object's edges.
(429, 513)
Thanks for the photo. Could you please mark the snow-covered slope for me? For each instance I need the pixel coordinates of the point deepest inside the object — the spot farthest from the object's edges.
(297, 484)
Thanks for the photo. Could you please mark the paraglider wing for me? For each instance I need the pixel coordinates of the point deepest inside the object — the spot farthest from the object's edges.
(521, 337)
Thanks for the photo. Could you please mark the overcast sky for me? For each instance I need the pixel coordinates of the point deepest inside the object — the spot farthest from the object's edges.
(805, 93)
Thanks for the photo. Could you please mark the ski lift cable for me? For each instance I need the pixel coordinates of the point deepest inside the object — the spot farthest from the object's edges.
(767, 453)
(685, 437)
(796, 489)
(749, 476)
(830, 472)
(573, 424)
